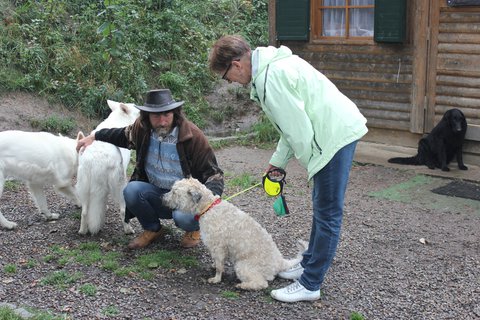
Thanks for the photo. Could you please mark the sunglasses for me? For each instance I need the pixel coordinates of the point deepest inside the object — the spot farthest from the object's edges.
(224, 77)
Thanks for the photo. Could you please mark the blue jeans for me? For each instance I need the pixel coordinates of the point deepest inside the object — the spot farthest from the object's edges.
(329, 186)
(144, 201)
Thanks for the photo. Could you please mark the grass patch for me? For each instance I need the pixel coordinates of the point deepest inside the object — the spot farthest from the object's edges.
(111, 311)
(60, 279)
(230, 294)
(402, 191)
(91, 254)
(242, 181)
(11, 185)
(165, 259)
(88, 289)
(54, 124)
(7, 313)
(31, 263)
(10, 268)
(356, 316)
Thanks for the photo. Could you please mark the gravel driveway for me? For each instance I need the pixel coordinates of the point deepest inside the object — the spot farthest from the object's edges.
(397, 259)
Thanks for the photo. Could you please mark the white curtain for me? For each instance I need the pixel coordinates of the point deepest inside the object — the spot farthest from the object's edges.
(361, 19)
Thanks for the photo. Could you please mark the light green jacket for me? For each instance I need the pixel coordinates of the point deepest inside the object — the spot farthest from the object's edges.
(314, 118)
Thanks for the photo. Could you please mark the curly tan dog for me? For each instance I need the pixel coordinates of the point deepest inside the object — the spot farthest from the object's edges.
(230, 233)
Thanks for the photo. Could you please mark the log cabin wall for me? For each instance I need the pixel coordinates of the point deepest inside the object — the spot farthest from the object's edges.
(403, 89)
(454, 69)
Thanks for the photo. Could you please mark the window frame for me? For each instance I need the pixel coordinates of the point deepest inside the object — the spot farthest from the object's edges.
(316, 20)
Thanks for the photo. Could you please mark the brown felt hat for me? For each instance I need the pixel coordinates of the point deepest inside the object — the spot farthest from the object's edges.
(159, 100)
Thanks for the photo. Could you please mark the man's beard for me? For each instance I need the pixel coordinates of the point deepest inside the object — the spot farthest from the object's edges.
(162, 132)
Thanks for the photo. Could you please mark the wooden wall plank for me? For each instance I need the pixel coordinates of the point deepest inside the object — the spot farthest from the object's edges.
(447, 37)
(459, 62)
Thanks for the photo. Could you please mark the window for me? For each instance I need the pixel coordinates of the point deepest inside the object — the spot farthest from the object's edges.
(344, 19)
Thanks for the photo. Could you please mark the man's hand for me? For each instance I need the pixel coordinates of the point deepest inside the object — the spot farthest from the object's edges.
(85, 142)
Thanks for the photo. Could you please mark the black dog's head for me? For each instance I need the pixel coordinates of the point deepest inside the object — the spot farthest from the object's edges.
(456, 120)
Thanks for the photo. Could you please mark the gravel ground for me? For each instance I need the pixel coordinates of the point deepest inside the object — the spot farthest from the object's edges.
(383, 268)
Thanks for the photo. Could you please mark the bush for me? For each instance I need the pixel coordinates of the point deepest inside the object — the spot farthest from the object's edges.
(87, 51)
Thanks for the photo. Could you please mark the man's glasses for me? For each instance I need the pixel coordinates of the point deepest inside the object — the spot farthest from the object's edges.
(224, 77)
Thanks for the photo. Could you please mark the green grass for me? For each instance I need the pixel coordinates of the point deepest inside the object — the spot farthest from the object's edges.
(356, 316)
(31, 263)
(10, 268)
(91, 254)
(88, 289)
(401, 191)
(8, 314)
(11, 185)
(230, 295)
(242, 181)
(54, 124)
(82, 53)
(165, 259)
(60, 279)
(111, 311)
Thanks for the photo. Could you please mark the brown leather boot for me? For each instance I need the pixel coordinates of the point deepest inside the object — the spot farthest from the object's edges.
(145, 238)
(190, 239)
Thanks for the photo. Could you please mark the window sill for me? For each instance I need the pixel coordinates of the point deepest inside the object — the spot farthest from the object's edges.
(333, 40)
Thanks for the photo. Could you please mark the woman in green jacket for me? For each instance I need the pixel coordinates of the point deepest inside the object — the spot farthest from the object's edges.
(318, 125)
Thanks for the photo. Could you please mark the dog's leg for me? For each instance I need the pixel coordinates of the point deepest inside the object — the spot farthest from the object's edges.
(41, 201)
(218, 256)
(460, 163)
(3, 221)
(84, 220)
(250, 277)
(442, 157)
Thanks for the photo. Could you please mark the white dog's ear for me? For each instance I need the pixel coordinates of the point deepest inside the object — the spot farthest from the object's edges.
(80, 135)
(195, 196)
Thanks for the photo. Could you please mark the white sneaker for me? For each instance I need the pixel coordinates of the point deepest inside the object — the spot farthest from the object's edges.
(293, 273)
(295, 292)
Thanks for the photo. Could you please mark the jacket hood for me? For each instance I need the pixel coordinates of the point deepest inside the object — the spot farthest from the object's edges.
(263, 56)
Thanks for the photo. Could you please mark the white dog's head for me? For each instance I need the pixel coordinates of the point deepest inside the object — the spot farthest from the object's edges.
(121, 115)
(188, 195)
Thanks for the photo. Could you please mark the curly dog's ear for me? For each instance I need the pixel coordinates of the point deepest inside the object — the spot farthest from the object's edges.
(195, 196)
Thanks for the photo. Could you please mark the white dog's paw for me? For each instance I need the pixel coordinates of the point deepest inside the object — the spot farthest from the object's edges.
(52, 216)
(9, 225)
(128, 229)
(214, 280)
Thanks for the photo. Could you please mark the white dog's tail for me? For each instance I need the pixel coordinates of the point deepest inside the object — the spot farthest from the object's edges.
(288, 263)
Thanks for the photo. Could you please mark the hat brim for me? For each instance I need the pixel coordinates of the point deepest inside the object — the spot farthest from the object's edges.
(162, 108)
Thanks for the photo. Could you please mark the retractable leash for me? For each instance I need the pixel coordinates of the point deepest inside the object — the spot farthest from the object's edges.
(272, 182)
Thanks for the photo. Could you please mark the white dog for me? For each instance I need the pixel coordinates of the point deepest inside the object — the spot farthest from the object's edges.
(230, 233)
(39, 159)
(102, 170)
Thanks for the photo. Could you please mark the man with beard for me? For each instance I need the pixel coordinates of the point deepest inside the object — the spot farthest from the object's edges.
(168, 148)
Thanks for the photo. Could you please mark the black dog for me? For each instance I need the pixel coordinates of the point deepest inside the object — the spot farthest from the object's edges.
(439, 147)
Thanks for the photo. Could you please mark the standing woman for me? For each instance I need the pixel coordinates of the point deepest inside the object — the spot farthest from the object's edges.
(318, 125)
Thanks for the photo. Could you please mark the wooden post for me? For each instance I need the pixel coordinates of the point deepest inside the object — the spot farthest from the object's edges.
(419, 28)
(272, 34)
(432, 64)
